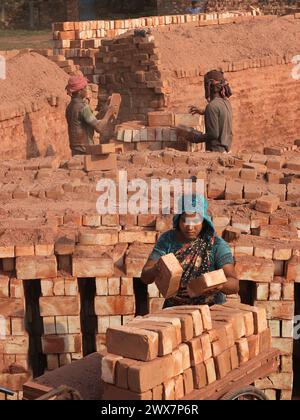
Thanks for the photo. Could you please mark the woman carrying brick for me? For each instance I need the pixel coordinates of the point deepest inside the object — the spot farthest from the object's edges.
(199, 250)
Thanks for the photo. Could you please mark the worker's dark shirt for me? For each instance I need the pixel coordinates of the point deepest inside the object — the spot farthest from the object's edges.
(81, 121)
(218, 126)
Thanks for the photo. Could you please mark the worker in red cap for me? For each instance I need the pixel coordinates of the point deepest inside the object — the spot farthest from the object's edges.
(81, 120)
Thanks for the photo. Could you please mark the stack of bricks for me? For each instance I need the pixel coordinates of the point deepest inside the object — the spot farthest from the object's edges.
(60, 311)
(79, 41)
(14, 340)
(274, 291)
(167, 355)
(160, 133)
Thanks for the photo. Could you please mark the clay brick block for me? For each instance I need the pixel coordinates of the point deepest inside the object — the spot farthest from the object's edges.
(4, 286)
(262, 291)
(157, 393)
(187, 325)
(133, 343)
(223, 364)
(188, 381)
(169, 390)
(160, 119)
(85, 267)
(179, 387)
(214, 278)
(285, 345)
(287, 329)
(24, 250)
(175, 322)
(267, 204)
(16, 345)
(286, 363)
(276, 381)
(231, 234)
(275, 291)
(167, 339)
(59, 306)
(185, 352)
(259, 315)
(168, 281)
(243, 350)
(146, 237)
(44, 250)
(234, 190)
(145, 376)
(12, 307)
(7, 251)
(114, 305)
(108, 368)
(97, 237)
(101, 149)
(112, 392)
(49, 325)
(254, 269)
(288, 291)
(278, 310)
(234, 357)
(293, 269)
(195, 347)
(265, 340)
(200, 377)
(210, 370)
(30, 268)
(206, 346)
(195, 313)
(216, 188)
(53, 344)
(100, 162)
(187, 120)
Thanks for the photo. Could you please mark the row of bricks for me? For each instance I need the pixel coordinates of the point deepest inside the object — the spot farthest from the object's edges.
(94, 265)
(141, 22)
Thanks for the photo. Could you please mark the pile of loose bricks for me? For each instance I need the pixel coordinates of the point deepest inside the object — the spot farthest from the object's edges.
(166, 355)
(51, 233)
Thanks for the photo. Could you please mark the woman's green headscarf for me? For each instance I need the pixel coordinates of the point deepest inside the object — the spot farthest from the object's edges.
(192, 203)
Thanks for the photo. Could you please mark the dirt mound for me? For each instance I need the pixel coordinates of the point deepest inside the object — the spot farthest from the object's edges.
(31, 77)
(188, 46)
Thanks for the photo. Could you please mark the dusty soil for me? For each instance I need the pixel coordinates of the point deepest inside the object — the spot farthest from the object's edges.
(209, 46)
(31, 77)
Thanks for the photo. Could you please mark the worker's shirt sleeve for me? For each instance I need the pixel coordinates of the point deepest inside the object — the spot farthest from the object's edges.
(222, 253)
(88, 116)
(161, 248)
(212, 123)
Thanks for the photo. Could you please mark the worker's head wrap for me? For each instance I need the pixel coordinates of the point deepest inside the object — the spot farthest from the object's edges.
(214, 81)
(76, 83)
(192, 203)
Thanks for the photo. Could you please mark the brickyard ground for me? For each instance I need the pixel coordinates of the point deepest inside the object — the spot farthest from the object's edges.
(69, 277)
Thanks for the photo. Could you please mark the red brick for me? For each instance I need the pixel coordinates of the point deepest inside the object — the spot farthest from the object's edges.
(267, 204)
(53, 344)
(243, 350)
(100, 162)
(188, 381)
(210, 371)
(59, 306)
(12, 307)
(259, 315)
(85, 267)
(160, 119)
(114, 305)
(234, 358)
(108, 368)
(194, 312)
(147, 375)
(277, 310)
(265, 340)
(36, 267)
(187, 325)
(170, 272)
(254, 269)
(199, 374)
(223, 364)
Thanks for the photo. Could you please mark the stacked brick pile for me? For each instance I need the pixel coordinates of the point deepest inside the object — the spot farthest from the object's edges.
(14, 340)
(80, 40)
(167, 355)
(160, 133)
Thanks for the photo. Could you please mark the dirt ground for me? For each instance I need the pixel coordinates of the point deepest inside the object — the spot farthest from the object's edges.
(204, 46)
(19, 39)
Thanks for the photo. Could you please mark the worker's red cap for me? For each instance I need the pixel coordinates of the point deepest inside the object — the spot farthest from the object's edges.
(76, 83)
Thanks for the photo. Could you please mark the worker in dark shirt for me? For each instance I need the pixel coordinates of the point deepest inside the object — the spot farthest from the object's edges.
(217, 115)
(82, 123)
